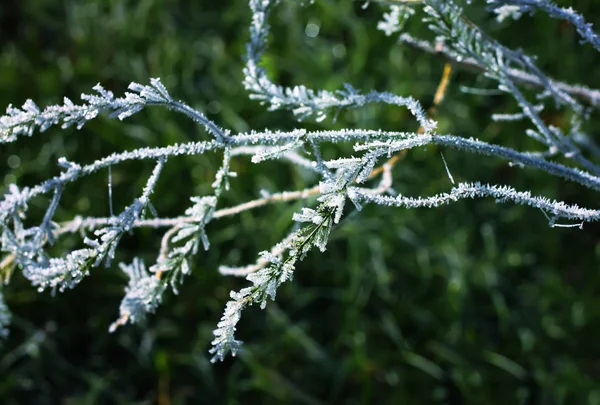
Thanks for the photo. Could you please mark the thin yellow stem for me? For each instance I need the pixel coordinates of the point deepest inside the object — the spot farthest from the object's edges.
(437, 99)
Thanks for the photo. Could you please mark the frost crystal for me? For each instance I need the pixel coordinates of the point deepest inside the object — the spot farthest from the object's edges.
(505, 12)
(143, 294)
(394, 20)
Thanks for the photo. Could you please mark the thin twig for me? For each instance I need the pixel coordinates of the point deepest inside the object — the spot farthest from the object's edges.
(591, 96)
(79, 223)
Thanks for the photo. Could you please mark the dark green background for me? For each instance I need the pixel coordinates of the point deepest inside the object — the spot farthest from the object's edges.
(476, 302)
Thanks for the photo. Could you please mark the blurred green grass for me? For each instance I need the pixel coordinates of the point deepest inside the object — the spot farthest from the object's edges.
(476, 302)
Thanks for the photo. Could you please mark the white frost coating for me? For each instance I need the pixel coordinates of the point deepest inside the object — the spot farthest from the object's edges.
(361, 175)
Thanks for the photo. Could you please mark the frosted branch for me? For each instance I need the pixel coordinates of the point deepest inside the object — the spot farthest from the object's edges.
(554, 209)
(568, 14)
